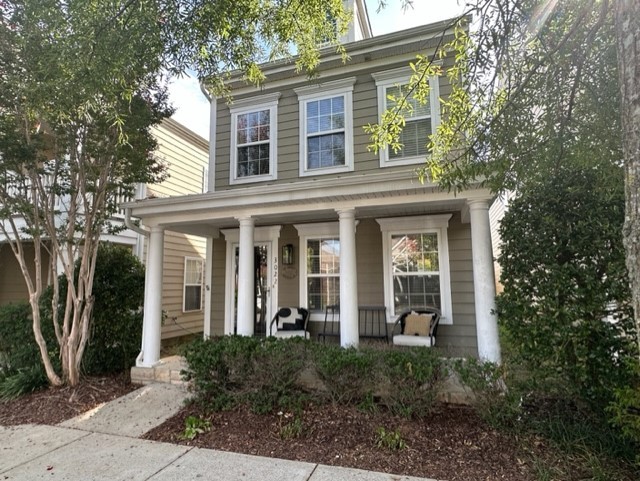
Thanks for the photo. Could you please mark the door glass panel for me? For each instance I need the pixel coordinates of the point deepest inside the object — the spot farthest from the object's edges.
(261, 289)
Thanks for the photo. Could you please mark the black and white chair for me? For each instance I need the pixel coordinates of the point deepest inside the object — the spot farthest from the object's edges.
(418, 327)
(290, 322)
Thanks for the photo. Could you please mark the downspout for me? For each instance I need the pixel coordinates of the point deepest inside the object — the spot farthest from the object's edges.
(213, 103)
(145, 233)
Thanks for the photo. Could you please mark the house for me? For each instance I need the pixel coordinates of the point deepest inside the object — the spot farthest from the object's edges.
(299, 212)
(185, 155)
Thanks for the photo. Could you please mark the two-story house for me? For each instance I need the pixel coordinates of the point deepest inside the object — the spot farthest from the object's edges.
(300, 212)
(185, 154)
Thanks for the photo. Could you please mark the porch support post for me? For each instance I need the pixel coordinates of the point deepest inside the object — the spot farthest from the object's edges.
(348, 279)
(152, 320)
(484, 284)
(208, 268)
(246, 277)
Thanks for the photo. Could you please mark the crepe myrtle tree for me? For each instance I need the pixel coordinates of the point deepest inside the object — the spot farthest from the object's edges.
(534, 83)
(82, 82)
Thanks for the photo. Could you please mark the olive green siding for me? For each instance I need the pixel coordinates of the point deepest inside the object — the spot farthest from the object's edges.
(457, 339)
(13, 287)
(365, 111)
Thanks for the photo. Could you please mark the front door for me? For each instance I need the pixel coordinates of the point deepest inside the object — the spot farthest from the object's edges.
(261, 289)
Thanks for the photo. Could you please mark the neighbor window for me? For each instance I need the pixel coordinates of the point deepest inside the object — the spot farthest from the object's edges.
(416, 263)
(193, 282)
(326, 127)
(420, 122)
(253, 139)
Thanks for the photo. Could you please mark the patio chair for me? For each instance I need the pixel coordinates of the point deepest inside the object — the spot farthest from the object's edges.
(418, 327)
(290, 322)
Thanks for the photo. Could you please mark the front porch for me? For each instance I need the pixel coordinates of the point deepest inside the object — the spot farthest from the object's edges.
(379, 240)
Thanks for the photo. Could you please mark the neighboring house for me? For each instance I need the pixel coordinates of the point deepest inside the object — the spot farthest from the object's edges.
(290, 171)
(185, 155)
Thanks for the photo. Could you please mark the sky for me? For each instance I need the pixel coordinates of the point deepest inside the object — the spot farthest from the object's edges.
(192, 108)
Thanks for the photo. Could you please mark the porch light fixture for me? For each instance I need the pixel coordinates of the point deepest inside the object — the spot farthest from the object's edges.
(287, 254)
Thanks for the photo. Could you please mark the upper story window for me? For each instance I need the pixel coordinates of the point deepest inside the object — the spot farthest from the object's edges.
(421, 122)
(326, 127)
(254, 139)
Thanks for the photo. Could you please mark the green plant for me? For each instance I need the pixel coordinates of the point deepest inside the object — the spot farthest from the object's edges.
(349, 375)
(414, 376)
(496, 403)
(193, 426)
(23, 381)
(389, 439)
(290, 426)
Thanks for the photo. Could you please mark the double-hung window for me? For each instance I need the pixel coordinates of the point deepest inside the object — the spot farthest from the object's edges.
(254, 139)
(416, 263)
(326, 127)
(420, 122)
(193, 282)
(319, 266)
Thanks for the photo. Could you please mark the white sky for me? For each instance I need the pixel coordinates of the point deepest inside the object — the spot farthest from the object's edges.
(192, 108)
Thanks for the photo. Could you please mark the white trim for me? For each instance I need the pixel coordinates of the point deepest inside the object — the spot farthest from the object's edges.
(339, 88)
(184, 283)
(261, 235)
(250, 105)
(401, 76)
(213, 122)
(418, 225)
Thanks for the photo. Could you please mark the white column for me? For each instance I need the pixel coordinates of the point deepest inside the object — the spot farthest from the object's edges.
(208, 268)
(484, 284)
(246, 278)
(152, 322)
(348, 279)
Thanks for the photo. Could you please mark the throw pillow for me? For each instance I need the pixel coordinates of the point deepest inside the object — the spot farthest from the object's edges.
(417, 324)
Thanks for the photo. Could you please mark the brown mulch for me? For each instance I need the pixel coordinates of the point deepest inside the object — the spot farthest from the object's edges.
(56, 404)
(452, 443)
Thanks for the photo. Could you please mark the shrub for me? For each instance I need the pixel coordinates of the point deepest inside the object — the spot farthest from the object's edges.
(23, 381)
(349, 375)
(495, 403)
(565, 305)
(414, 376)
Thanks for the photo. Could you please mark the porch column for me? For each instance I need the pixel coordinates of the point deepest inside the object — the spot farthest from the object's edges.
(152, 321)
(484, 284)
(246, 278)
(208, 268)
(348, 279)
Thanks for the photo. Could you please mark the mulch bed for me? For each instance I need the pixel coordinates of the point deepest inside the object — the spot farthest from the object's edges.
(452, 443)
(54, 405)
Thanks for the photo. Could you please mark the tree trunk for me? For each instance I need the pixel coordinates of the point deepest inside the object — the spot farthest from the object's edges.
(627, 18)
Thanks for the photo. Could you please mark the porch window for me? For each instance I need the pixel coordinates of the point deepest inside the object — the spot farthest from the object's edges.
(193, 282)
(326, 127)
(253, 139)
(323, 273)
(421, 121)
(416, 263)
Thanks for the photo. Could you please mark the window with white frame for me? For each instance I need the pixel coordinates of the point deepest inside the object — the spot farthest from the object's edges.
(319, 265)
(254, 139)
(421, 121)
(416, 263)
(326, 127)
(193, 283)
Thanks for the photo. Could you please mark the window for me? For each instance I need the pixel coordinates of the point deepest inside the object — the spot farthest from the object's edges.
(193, 281)
(416, 263)
(319, 266)
(420, 123)
(326, 127)
(253, 139)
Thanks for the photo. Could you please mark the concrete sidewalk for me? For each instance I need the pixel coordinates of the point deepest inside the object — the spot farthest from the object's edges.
(102, 445)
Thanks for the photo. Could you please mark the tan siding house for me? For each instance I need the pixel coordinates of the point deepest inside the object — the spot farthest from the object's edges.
(292, 173)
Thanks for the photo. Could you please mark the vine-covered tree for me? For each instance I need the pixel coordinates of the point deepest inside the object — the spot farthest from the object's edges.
(81, 84)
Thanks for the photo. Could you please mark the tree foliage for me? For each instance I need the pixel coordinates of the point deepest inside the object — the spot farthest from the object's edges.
(81, 85)
(565, 308)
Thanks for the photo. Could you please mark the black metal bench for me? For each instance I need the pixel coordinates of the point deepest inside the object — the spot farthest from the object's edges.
(372, 322)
